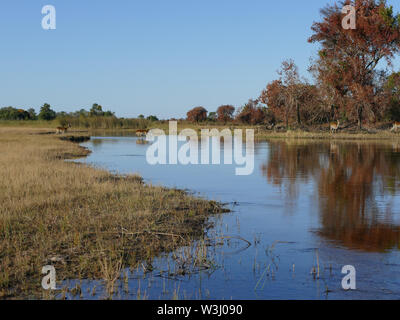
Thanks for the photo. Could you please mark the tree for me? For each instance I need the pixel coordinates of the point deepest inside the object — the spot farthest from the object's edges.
(46, 113)
(81, 113)
(32, 114)
(309, 104)
(351, 56)
(275, 97)
(225, 113)
(252, 113)
(152, 118)
(212, 116)
(286, 96)
(96, 110)
(391, 96)
(197, 114)
(329, 88)
(290, 78)
(10, 113)
(108, 114)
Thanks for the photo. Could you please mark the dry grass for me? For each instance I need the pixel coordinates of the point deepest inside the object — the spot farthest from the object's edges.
(86, 222)
(261, 132)
(379, 135)
(379, 132)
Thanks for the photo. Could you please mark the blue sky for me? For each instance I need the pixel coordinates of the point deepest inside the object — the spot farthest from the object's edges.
(149, 57)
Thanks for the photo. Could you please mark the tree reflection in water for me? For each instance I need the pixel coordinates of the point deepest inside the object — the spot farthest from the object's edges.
(357, 184)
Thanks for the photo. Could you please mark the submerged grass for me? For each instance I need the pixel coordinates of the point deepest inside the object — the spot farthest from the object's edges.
(86, 222)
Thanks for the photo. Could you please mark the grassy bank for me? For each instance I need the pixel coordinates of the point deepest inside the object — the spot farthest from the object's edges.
(317, 133)
(298, 134)
(84, 221)
(262, 132)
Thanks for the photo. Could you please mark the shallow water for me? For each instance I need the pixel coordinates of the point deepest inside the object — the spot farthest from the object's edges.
(307, 204)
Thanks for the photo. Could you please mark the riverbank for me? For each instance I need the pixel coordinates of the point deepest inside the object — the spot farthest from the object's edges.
(261, 132)
(86, 222)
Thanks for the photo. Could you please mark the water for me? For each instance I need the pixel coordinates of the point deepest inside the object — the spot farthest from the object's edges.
(307, 204)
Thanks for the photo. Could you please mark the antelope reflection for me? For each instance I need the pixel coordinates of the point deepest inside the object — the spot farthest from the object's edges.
(350, 180)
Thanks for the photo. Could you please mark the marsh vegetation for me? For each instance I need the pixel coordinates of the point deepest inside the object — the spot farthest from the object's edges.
(88, 223)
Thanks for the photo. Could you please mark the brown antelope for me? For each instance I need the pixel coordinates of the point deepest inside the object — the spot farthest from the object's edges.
(61, 130)
(141, 133)
(396, 125)
(335, 126)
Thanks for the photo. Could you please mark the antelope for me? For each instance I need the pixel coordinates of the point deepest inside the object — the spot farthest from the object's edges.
(61, 130)
(334, 126)
(396, 125)
(141, 133)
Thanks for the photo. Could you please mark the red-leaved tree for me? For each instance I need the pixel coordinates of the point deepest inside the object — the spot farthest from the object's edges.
(225, 113)
(350, 57)
(197, 114)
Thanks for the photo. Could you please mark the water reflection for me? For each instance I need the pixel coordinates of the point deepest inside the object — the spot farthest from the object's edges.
(346, 193)
(355, 185)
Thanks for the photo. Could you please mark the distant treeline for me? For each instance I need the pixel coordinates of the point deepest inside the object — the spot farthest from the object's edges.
(348, 83)
(95, 118)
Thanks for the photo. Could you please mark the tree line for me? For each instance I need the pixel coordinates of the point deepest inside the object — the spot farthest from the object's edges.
(349, 81)
(352, 80)
(47, 113)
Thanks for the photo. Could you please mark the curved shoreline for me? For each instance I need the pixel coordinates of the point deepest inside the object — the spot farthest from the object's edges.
(88, 223)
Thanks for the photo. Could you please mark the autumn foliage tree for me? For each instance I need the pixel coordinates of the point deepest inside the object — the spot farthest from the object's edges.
(275, 97)
(253, 113)
(349, 57)
(197, 114)
(289, 75)
(225, 113)
(289, 98)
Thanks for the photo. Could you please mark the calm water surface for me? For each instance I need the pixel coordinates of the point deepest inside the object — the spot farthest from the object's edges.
(307, 203)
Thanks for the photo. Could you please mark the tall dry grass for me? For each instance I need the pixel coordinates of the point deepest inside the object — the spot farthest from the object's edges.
(86, 222)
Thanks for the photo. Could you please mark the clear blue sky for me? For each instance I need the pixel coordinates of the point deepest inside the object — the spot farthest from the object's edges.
(151, 57)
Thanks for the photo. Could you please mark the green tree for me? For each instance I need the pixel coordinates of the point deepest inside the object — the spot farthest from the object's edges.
(152, 118)
(32, 114)
(212, 116)
(96, 110)
(8, 113)
(109, 114)
(46, 113)
(392, 96)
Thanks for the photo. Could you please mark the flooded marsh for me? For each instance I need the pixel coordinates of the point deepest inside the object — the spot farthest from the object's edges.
(309, 209)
